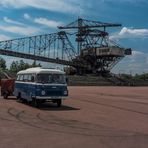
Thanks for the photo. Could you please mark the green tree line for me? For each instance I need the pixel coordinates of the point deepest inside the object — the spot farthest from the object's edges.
(143, 76)
(16, 66)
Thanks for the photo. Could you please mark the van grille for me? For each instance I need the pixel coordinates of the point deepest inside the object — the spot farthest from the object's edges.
(54, 93)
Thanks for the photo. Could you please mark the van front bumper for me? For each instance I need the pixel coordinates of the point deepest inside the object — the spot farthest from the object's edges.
(51, 97)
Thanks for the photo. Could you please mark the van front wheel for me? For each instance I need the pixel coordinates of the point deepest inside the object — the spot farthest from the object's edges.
(35, 102)
(59, 102)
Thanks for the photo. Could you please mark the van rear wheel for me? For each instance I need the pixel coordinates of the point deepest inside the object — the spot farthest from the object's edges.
(5, 95)
(19, 98)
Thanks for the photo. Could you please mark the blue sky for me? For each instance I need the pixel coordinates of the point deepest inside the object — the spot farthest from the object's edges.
(31, 17)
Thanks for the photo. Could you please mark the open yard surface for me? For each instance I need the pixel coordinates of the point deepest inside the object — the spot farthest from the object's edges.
(92, 117)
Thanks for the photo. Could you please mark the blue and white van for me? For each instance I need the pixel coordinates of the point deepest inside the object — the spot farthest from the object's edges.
(38, 85)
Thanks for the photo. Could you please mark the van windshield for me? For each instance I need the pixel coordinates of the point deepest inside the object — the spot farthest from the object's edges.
(51, 78)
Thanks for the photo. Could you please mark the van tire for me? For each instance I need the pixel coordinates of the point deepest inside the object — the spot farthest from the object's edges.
(59, 102)
(35, 102)
(19, 98)
(5, 95)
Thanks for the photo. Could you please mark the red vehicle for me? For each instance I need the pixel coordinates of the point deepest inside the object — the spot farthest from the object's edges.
(7, 87)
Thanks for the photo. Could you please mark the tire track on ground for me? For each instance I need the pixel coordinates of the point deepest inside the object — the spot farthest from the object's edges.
(113, 106)
(19, 115)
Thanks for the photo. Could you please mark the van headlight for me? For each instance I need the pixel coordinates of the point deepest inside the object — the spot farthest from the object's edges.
(65, 92)
(43, 92)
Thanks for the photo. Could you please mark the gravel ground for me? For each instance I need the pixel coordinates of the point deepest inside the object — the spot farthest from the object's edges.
(92, 117)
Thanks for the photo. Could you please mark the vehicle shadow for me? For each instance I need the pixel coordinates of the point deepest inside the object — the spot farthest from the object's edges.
(53, 107)
(9, 98)
(47, 106)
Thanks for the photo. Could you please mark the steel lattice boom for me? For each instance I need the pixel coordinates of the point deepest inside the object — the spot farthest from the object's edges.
(54, 48)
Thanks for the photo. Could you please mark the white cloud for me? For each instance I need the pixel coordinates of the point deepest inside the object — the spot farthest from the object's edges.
(18, 27)
(46, 22)
(20, 30)
(147, 61)
(135, 2)
(135, 32)
(7, 20)
(136, 63)
(130, 33)
(4, 37)
(137, 53)
(137, 56)
(27, 16)
(51, 5)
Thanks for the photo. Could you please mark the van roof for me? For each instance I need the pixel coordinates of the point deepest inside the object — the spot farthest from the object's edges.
(38, 70)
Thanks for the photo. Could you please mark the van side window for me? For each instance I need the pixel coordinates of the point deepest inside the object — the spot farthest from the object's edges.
(21, 78)
(18, 78)
(25, 78)
(29, 78)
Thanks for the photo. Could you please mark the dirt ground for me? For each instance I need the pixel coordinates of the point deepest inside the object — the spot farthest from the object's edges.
(92, 117)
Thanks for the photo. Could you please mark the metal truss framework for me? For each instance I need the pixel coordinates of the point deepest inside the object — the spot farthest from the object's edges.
(58, 47)
(90, 33)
